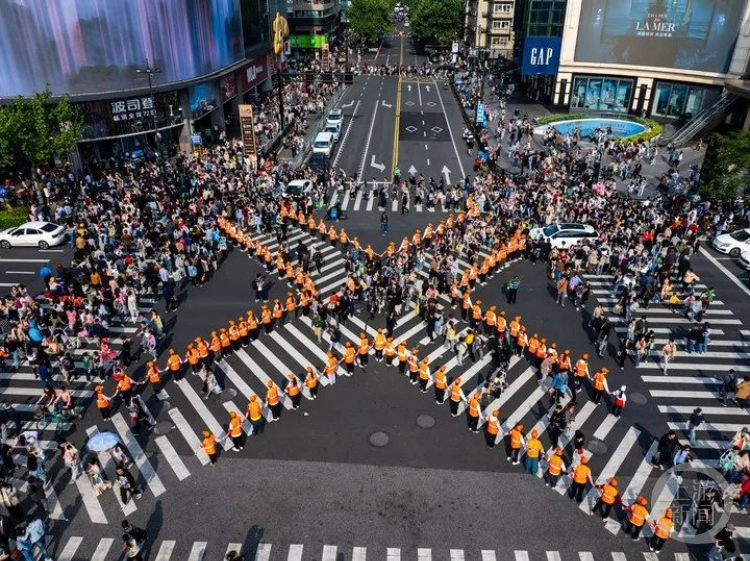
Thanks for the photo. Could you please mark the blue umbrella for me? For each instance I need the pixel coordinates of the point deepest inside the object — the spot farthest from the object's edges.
(102, 441)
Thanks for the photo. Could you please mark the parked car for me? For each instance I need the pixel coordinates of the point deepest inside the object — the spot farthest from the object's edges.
(33, 234)
(733, 243)
(564, 235)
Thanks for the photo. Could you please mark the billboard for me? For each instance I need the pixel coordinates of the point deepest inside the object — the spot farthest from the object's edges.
(683, 34)
(541, 56)
(91, 46)
(203, 99)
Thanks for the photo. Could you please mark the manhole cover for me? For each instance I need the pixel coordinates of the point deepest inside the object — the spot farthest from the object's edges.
(163, 427)
(226, 395)
(411, 128)
(379, 439)
(638, 398)
(596, 446)
(436, 130)
(426, 421)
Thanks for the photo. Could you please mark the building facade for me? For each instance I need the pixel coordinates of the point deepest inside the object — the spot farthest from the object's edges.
(314, 17)
(144, 73)
(489, 27)
(667, 59)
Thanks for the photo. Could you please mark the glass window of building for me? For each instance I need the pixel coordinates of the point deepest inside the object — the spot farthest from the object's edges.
(677, 100)
(544, 18)
(611, 95)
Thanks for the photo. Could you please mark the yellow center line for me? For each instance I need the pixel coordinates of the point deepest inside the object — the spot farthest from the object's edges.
(398, 112)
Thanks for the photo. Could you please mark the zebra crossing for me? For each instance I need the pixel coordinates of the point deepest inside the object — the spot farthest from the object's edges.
(693, 379)
(332, 273)
(366, 200)
(77, 548)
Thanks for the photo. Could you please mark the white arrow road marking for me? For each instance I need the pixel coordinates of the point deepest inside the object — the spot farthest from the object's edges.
(447, 173)
(412, 169)
(428, 89)
(408, 87)
(379, 167)
(386, 104)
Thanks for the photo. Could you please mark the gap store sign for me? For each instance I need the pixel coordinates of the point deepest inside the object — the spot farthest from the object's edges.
(541, 56)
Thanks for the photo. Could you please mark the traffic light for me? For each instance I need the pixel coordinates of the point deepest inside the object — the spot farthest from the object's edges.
(280, 32)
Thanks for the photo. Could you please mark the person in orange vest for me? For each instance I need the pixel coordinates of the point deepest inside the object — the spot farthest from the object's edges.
(252, 326)
(209, 446)
(226, 343)
(555, 468)
(581, 372)
(234, 335)
(473, 412)
(349, 357)
(265, 318)
(403, 357)
(202, 347)
(235, 431)
(637, 518)
(193, 358)
(476, 314)
(456, 396)
(441, 383)
(491, 428)
(663, 529)
(254, 414)
(363, 350)
(379, 344)
(608, 496)
(424, 374)
(124, 387)
(102, 402)
(311, 382)
(413, 362)
(534, 451)
(273, 400)
(581, 475)
(331, 368)
(153, 376)
(215, 347)
(600, 385)
(174, 364)
(292, 389)
(515, 444)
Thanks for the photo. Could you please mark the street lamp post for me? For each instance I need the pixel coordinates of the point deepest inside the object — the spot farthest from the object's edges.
(150, 73)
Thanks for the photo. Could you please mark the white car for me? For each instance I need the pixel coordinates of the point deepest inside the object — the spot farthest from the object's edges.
(733, 243)
(744, 260)
(335, 130)
(299, 187)
(335, 117)
(564, 235)
(323, 144)
(33, 234)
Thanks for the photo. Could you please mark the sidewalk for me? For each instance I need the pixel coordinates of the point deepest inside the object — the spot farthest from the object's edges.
(533, 109)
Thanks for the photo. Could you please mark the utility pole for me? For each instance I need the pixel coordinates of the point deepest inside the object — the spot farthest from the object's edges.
(150, 73)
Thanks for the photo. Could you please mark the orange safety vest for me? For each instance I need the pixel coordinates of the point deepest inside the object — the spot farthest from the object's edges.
(253, 410)
(456, 391)
(193, 357)
(502, 324)
(153, 375)
(663, 528)
(440, 380)
(234, 333)
(225, 342)
(125, 384)
(609, 494)
(514, 328)
(474, 407)
(174, 363)
(215, 344)
(379, 342)
(515, 439)
(493, 426)
(331, 366)
(637, 515)
(272, 397)
(101, 400)
(202, 350)
(581, 368)
(311, 380)
(292, 389)
(555, 465)
(209, 445)
(580, 475)
(364, 346)
(599, 381)
(235, 427)
(533, 448)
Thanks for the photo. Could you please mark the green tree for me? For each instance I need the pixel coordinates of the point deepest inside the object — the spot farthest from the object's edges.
(437, 22)
(34, 129)
(726, 170)
(370, 19)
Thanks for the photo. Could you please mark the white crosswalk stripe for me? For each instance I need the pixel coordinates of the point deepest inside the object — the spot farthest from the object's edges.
(78, 547)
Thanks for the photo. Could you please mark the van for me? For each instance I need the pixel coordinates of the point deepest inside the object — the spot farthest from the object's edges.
(323, 144)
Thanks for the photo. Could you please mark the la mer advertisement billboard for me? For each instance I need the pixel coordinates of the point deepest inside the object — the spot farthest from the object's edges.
(684, 34)
(541, 56)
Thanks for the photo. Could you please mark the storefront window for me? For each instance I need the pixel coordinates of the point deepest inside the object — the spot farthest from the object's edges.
(677, 100)
(602, 94)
